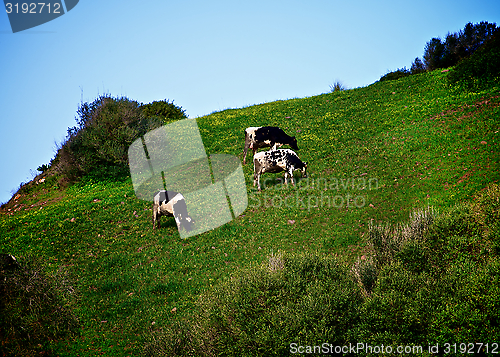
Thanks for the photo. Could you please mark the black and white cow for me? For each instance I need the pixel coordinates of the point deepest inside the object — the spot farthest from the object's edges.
(171, 203)
(277, 161)
(266, 136)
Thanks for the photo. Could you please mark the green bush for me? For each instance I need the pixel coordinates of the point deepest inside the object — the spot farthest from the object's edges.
(433, 280)
(414, 256)
(98, 145)
(337, 86)
(486, 211)
(482, 69)
(399, 307)
(35, 307)
(454, 234)
(469, 303)
(164, 110)
(440, 286)
(455, 305)
(43, 168)
(399, 73)
(295, 299)
(365, 272)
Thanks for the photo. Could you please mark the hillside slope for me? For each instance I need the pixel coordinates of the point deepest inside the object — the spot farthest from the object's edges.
(374, 155)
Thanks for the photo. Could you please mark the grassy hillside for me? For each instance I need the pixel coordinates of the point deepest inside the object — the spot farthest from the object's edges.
(375, 154)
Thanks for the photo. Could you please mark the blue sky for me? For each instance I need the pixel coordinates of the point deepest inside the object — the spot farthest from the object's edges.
(205, 55)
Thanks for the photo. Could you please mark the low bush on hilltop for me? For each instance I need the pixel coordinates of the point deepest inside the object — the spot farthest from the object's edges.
(393, 75)
(98, 144)
(164, 110)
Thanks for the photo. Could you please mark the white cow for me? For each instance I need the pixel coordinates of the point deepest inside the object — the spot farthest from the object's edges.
(277, 161)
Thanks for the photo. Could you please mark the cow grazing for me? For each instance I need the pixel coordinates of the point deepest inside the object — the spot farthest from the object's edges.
(266, 136)
(277, 161)
(171, 203)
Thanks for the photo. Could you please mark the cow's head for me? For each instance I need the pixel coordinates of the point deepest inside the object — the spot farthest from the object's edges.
(304, 170)
(293, 143)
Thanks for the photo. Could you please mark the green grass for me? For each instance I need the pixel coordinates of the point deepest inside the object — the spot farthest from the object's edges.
(374, 154)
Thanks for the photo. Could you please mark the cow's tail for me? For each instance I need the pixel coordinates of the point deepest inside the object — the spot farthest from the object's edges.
(248, 144)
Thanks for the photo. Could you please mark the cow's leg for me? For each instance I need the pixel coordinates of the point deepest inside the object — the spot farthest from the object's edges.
(289, 173)
(287, 176)
(245, 153)
(256, 171)
(155, 215)
(178, 222)
(256, 178)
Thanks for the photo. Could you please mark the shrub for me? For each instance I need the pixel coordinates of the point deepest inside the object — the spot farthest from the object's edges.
(482, 69)
(365, 272)
(337, 86)
(486, 211)
(487, 205)
(164, 110)
(98, 145)
(386, 242)
(301, 299)
(399, 73)
(454, 234)
(407, 307)
(442, 284)
(433, 280)
(469, 303)
(398, 309)
(35, 308)
(43, 168)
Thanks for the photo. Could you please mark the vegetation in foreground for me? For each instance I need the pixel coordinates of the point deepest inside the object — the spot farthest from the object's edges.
(376, 155)
(433, 281)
